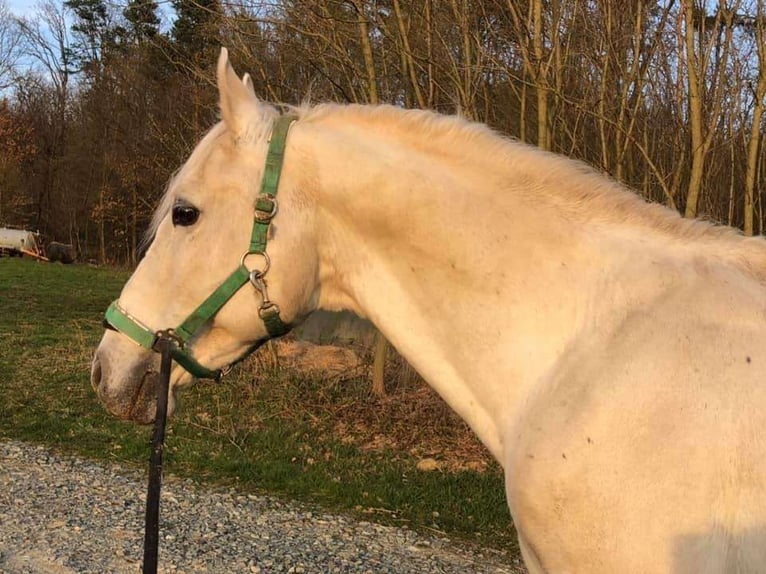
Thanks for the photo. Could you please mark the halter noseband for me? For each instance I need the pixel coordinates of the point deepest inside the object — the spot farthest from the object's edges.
(265, 209)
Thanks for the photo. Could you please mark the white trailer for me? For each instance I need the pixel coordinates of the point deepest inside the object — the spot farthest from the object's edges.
(18, 242)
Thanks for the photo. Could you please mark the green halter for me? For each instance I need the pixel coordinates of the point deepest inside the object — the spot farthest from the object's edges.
(265, 210)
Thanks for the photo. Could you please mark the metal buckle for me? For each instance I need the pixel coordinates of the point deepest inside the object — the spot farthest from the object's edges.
(268, 308)
(265, 215)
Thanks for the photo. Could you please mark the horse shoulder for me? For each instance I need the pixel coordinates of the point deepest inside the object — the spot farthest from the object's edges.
(642, 425)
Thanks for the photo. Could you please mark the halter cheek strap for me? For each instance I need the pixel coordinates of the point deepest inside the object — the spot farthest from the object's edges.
(265, 210)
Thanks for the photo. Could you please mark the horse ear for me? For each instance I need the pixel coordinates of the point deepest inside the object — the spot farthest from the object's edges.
(241, 111)
(248, 81)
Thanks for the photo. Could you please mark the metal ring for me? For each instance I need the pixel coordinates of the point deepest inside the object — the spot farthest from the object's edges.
(168, 335)
(266, 261)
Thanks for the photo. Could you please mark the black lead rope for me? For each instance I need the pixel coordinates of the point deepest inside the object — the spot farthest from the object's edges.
(164, 345)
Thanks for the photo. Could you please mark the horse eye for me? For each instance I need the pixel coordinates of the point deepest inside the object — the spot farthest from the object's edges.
(185, 215)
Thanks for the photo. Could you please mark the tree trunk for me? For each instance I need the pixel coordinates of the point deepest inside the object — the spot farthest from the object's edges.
(541, 77)
(381, 345)
(754, 141)
(703, 125)
(695, 113)
(101, 235)
(369, 62)
(379, 365)
(407, 59)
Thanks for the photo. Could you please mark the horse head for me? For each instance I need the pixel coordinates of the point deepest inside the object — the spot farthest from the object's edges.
(204, 241)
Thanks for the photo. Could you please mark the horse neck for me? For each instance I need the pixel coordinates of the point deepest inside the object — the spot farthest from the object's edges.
(477, 266)
(448, 267)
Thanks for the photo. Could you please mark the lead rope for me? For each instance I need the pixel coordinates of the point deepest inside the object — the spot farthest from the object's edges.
(172, 341)
(164, 344)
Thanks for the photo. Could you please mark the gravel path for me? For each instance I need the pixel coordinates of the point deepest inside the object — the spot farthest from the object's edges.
(63, 515)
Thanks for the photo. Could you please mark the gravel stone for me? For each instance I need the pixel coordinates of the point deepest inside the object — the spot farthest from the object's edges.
(65, 515)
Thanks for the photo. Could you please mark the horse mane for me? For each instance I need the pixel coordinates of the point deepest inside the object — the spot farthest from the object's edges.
(570, 184)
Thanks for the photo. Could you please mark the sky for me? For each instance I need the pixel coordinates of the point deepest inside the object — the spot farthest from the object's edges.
(29, 7)
(21, 7)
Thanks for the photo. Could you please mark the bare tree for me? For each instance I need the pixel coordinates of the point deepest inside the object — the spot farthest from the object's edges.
(666, 95)
(10, 44)
(46, 41)
(708, 43)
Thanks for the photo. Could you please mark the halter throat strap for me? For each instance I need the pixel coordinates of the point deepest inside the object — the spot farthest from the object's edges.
(265, 209)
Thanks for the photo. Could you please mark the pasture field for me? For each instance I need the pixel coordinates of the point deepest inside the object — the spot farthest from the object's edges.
(272, 431)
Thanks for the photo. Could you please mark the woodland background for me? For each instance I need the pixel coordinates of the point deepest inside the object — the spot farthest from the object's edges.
(101, 100)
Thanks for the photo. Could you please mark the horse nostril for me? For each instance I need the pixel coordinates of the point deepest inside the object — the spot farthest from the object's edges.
(95, 374)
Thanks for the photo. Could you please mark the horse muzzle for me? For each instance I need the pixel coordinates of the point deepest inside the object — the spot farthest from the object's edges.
(125, 379)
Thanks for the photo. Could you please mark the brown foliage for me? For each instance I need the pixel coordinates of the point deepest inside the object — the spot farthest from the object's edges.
(664, 104)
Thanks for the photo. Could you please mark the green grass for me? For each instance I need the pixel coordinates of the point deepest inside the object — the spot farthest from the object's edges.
(275, 436)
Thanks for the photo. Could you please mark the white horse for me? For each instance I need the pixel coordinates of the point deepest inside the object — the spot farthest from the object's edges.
(609, 354)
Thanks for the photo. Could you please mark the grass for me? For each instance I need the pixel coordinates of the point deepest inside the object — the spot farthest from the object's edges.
(284, 433)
